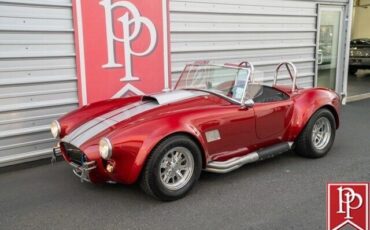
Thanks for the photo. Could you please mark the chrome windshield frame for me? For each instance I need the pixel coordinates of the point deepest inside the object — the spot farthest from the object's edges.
(215, 93)
(247, 66)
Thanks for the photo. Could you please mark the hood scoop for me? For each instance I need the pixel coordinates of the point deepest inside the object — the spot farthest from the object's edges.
(173, 96)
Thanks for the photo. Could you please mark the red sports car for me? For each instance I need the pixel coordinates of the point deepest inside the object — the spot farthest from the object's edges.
(218, 118)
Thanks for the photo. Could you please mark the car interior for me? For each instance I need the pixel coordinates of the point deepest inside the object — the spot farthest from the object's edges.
(262, 93)
(258, 92)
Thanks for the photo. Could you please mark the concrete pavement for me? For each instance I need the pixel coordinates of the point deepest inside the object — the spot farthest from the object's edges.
(287, 192)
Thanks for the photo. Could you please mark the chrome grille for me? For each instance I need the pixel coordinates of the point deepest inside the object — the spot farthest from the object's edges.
(74, 153)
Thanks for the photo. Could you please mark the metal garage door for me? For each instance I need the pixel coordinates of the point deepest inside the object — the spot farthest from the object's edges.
(264, 32)
(37, 56)
(37, 75)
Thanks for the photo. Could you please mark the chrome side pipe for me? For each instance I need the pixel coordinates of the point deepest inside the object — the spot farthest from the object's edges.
(237, 162)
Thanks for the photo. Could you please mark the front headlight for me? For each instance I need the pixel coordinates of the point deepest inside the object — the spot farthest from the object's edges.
(55, 129)
(105, 148)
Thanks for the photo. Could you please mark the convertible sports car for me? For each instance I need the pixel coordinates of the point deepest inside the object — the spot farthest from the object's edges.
(217, 119)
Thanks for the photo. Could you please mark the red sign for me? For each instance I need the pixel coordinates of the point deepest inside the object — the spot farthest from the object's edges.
(348, 206)
(122, 48)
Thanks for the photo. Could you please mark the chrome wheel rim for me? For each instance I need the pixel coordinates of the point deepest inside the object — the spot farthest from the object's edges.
(321, 133)
(176, 168)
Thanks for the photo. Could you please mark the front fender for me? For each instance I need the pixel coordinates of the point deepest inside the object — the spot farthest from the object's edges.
(159, 134)
(133, 146)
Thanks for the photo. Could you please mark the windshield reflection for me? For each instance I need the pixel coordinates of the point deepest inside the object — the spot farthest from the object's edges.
(228, 81)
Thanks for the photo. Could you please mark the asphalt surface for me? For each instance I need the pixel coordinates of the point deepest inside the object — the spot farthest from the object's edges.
(359, 83)
(287, 192)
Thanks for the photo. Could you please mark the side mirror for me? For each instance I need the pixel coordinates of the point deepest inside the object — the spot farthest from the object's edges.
(249, 103)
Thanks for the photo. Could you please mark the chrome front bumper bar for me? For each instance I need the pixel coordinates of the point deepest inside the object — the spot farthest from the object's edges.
(81, 171)
(56, 152)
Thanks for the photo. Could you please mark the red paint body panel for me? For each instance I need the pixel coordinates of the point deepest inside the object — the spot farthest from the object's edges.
(241, 130)
(74, 119)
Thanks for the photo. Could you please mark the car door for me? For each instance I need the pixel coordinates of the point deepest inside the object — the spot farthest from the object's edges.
(272, 119)
(229, 132)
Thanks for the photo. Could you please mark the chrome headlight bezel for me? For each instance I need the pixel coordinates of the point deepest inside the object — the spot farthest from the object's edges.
(105, 148)
(55, 129)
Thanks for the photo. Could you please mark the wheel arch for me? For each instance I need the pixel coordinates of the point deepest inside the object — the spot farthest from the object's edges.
(191, 136)
(329, 107)
(333, 111)
(307, 103)
(196, 141)
(137, 173)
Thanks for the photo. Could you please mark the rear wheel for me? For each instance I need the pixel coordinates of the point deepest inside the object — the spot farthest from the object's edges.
(318, 136)
(172, 169)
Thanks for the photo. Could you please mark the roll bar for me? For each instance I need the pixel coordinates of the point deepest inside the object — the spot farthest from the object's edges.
(293, 76)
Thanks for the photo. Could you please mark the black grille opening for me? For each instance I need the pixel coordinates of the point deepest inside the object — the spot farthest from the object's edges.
(74, 153)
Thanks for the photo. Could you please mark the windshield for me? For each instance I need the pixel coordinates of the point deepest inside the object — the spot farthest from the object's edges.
(228, 81)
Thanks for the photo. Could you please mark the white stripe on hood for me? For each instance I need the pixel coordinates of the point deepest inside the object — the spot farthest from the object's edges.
(91, 128)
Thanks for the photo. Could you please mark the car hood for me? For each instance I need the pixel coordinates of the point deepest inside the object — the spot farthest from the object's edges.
(116, 113)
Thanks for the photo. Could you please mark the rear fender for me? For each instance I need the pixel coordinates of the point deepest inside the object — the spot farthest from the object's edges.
(308, 104)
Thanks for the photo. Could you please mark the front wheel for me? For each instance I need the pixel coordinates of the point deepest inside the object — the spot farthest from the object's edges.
(172, 169)
(318, 136)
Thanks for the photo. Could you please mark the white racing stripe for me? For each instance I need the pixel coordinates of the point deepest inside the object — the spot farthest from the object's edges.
(103, 122)
(88, 125)
(97, 125)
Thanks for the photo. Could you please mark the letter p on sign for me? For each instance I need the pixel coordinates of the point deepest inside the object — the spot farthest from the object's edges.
(122, 48)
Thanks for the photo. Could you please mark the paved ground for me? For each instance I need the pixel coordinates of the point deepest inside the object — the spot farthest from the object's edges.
(287, 192)
(360, 83)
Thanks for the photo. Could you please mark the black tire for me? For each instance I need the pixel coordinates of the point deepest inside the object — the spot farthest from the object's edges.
(151, 181)
(304, 145)
(353, 70)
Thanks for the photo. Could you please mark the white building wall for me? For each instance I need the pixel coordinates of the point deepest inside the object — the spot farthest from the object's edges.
(37, 55)
(37, 75)
(264, 32)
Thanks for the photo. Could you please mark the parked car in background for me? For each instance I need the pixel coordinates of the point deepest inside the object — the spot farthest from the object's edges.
(217, 119)
(359, 55)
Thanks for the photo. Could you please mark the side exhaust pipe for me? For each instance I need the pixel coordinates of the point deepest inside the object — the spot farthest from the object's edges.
(237, 162)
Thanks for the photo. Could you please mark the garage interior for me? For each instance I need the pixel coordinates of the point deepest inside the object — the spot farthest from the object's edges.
(359, 83)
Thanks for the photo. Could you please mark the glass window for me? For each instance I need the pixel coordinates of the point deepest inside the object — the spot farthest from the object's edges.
(228, 81)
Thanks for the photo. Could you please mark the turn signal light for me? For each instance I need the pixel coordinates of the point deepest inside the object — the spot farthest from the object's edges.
(110, 166)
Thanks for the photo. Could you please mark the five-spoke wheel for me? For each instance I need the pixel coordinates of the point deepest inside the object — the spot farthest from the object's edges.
(321, 133)
(176, 168)
(318, 136)
(172, 168)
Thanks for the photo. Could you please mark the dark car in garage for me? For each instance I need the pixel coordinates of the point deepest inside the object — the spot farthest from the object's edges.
(359, 55)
